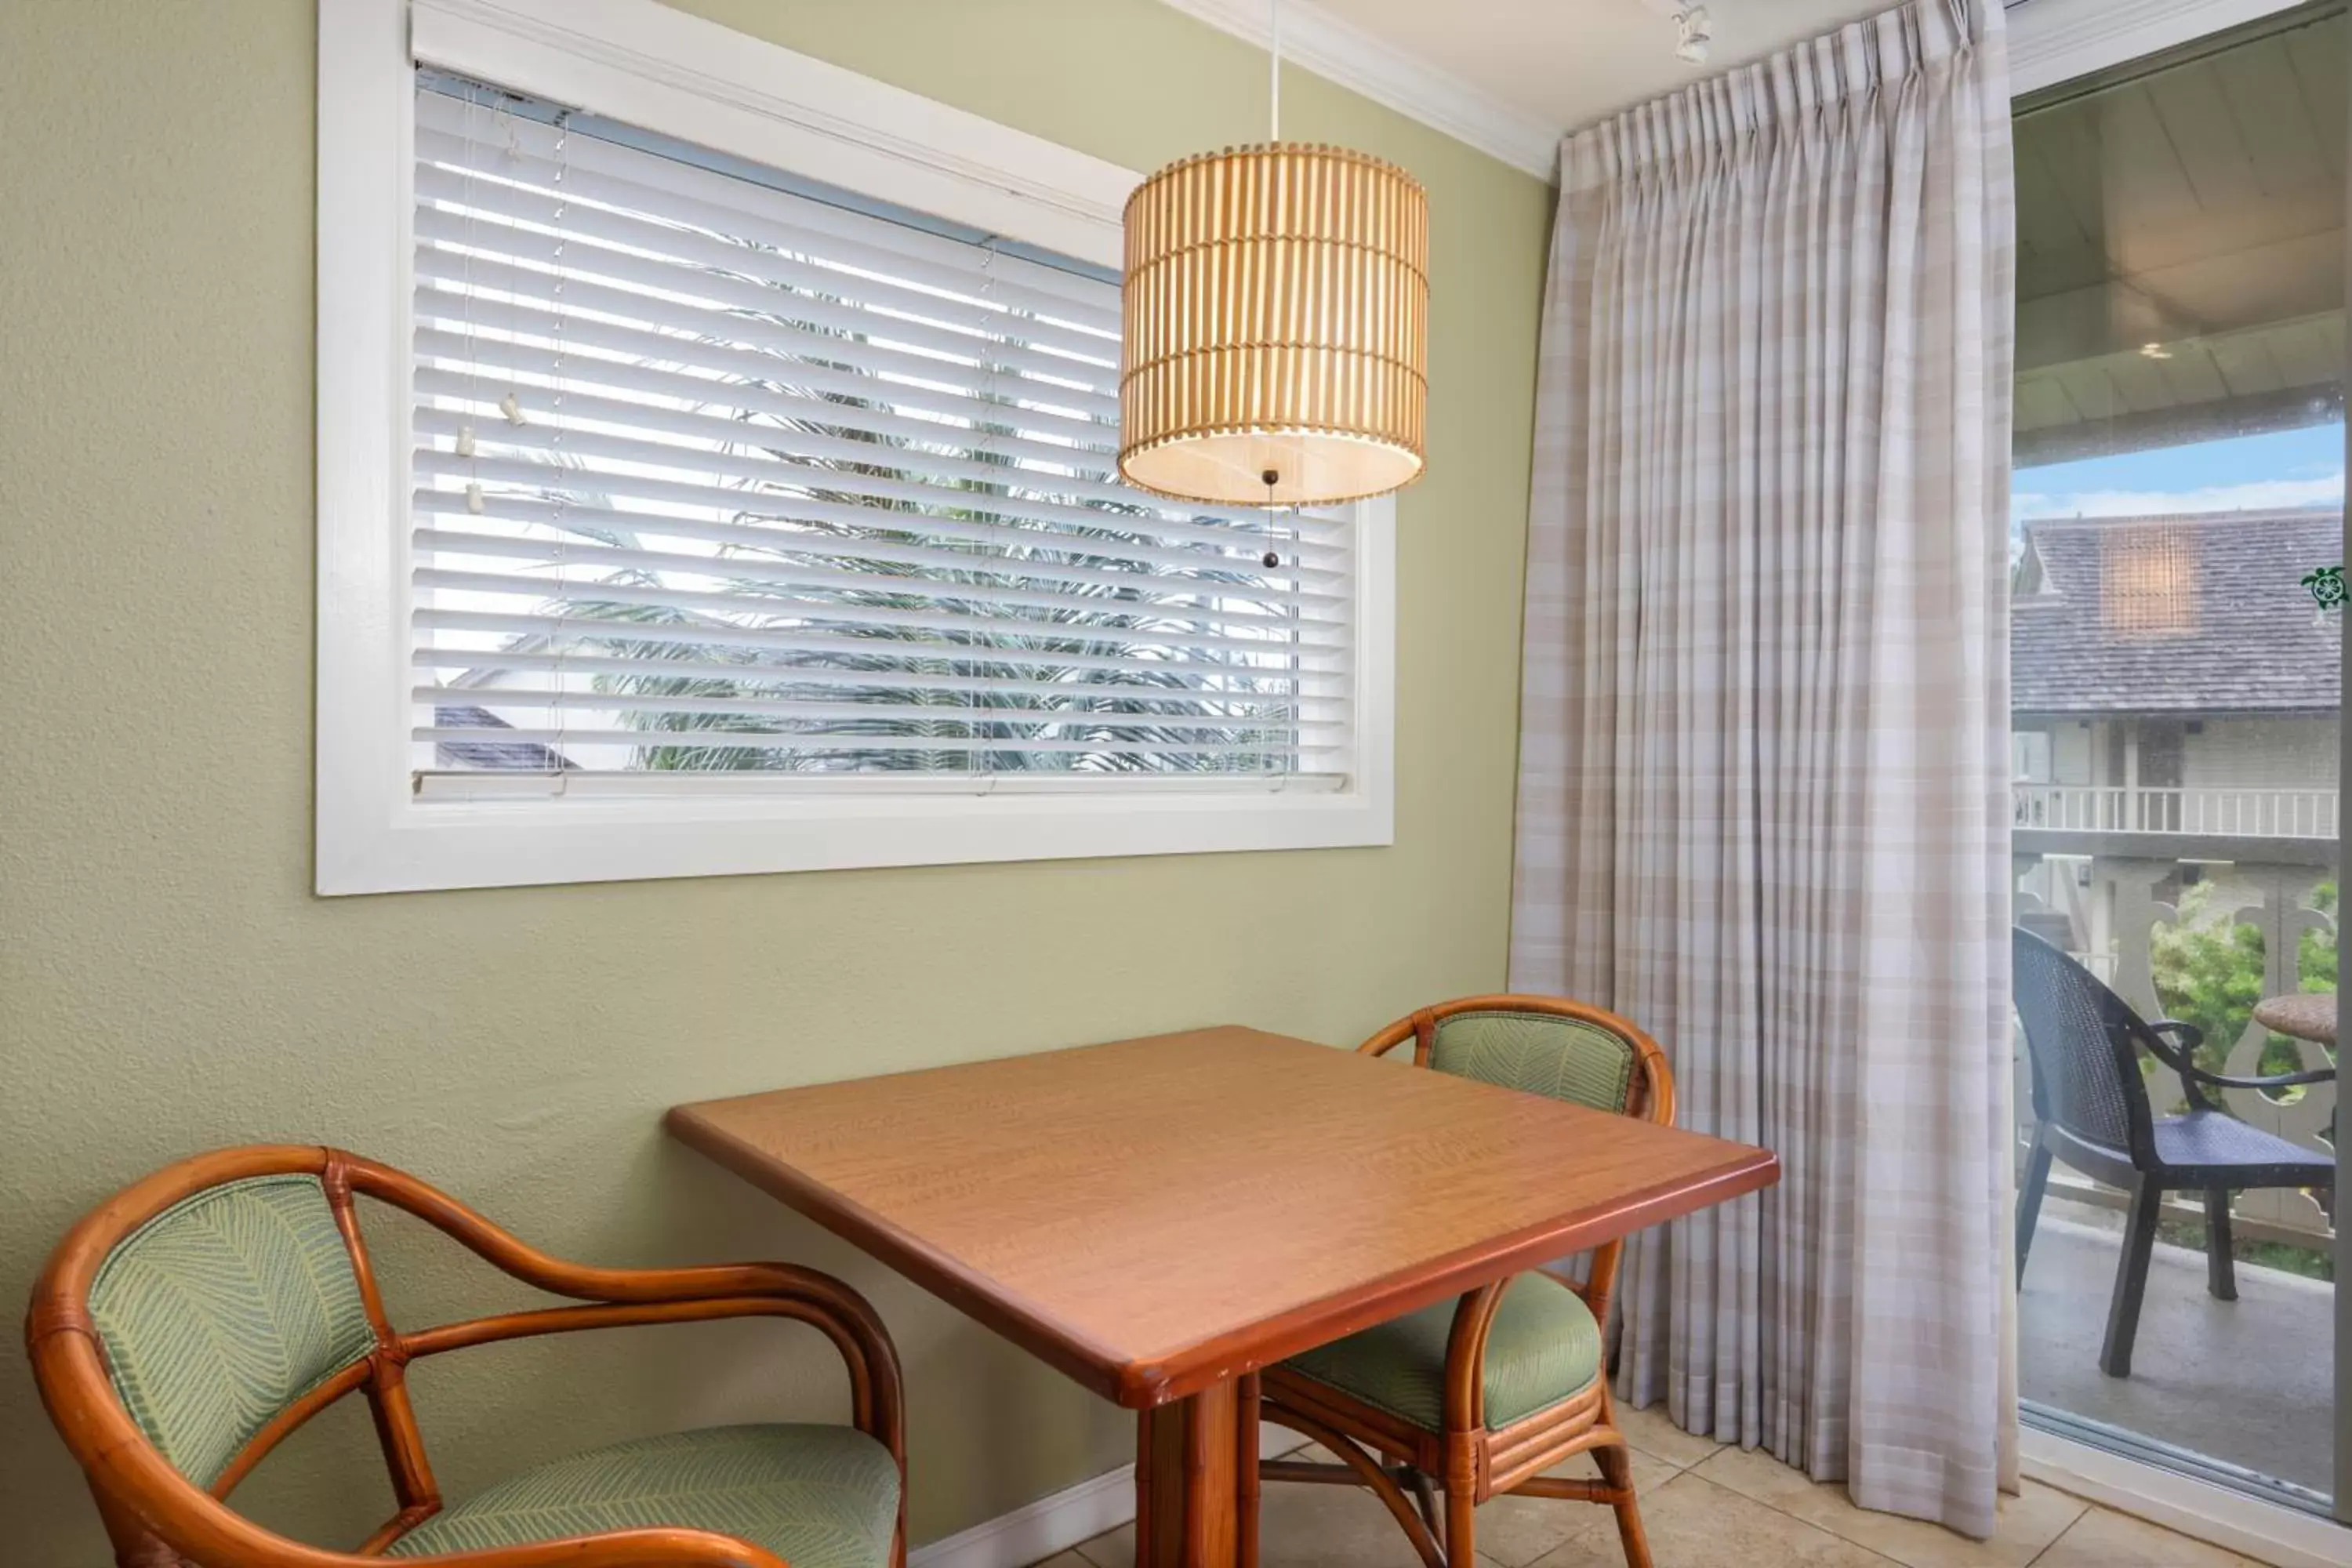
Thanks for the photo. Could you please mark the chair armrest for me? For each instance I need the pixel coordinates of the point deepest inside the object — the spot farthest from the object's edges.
(2180, 1060)
(877, 1396)
(2276, 1081)
(2178, 1057)
(623, 1296)
(1421, 1029)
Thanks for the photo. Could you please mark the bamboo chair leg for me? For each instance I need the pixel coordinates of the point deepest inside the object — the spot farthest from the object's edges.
(1616, 1462)
(1617, 1469)
(1461, 1528)
(1424, 1493)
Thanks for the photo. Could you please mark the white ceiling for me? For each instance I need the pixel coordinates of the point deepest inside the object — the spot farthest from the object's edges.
(1511, 76)
(1569, 62)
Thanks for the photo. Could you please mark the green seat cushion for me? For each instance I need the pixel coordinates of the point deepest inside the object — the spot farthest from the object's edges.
(818, 1497)
(225, 1309)
(1566, 1058)
(1543, 1347)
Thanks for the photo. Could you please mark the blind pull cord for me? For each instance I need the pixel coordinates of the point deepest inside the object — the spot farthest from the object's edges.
(560, 715)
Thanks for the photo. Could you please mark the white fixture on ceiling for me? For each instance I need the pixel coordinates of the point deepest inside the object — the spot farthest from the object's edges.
(1694, 29)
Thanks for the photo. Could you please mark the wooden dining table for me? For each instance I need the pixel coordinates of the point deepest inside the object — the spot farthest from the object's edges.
(1160, 1217)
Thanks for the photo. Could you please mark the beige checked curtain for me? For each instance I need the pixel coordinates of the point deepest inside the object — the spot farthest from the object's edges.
(1763, 792)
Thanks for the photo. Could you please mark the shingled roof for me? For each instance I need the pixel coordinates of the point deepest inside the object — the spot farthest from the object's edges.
(2194, 614)
(505, 756)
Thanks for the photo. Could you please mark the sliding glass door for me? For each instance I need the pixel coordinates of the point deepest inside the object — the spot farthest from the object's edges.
(2177, 657)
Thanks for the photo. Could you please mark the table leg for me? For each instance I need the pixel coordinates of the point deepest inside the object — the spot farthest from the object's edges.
(1196, 1480)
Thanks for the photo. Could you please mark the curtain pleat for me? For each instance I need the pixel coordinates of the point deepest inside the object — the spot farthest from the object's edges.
(1763, 797)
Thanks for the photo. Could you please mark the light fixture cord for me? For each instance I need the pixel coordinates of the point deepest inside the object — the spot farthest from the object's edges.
(1273, 72)
(1272, 561)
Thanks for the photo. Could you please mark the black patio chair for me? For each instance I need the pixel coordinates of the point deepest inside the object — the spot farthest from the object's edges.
(2090, 1109)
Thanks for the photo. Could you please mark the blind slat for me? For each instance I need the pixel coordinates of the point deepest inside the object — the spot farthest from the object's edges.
(689, 635)
(1285, 694)
(770, 573)
(1007, 627)
(964, 713)
(823, 740)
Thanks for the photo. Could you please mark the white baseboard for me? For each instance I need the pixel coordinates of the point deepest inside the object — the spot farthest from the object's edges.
(1037, 1531)
(2265, 1531)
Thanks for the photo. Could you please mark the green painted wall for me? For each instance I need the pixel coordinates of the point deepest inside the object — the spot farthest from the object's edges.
(168, 984)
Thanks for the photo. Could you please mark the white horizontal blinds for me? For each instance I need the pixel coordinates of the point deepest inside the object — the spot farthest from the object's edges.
(712, 476)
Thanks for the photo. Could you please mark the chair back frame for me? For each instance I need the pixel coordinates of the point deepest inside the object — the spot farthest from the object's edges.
(156, 1516)
(2125, 1033)
(1650, 1095)
(1471, 1463)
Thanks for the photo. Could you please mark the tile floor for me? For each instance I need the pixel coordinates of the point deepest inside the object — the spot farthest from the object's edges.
(1706, 1507)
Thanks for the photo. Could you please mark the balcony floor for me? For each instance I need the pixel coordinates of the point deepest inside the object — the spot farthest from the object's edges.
(2245, 1380)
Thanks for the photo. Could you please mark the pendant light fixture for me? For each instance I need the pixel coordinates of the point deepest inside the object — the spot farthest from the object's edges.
(1276, 324)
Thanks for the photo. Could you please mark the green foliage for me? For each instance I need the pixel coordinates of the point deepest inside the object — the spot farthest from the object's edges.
(2312, 1262)
(2209, 972)
(2316, 960)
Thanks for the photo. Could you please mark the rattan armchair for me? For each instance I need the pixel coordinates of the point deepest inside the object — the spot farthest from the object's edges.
(2090, 1109)
(190, 1323)
(1478, 1397)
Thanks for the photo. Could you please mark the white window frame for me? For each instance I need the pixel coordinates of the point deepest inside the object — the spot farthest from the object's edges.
(644, 64)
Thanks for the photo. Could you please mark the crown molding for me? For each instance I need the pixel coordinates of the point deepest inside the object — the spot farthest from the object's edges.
(2054, 41)
(1315, 40)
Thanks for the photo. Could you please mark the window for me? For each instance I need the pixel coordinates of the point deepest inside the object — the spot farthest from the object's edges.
(2180, 448)
(741, 521)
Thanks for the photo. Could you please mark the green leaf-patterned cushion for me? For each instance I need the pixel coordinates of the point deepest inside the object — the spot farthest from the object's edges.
(1563, 1058)
(818, 1497)
(1543, 1347)
(224, 1308)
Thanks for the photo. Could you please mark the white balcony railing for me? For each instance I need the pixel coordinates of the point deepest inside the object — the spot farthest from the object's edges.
(2106, 909)
(2224, 813)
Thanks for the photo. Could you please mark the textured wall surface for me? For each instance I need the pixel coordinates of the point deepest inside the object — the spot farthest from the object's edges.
(168, 983)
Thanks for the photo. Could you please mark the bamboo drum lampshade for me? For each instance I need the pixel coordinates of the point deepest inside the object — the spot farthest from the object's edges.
(1276, 328)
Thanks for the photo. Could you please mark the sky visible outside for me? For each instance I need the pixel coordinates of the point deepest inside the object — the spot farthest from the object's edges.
(2243, 473)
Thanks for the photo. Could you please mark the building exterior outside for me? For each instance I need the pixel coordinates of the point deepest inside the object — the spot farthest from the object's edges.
(2173, 675)
(2175, 713)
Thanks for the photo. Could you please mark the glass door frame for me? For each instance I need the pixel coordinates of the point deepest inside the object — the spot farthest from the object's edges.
(2053, 42)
